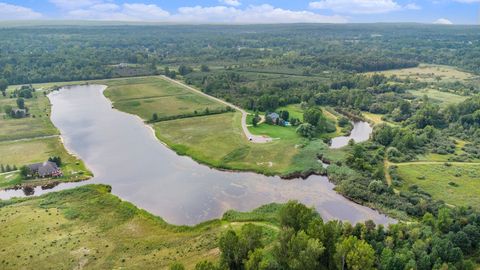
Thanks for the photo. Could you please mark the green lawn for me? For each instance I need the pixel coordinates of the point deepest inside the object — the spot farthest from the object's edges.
(88, 228)
(149, 95)
(39, 150)
(38, 124)
(32, 139)
(442, 98)
(218, 140)
(458, 184)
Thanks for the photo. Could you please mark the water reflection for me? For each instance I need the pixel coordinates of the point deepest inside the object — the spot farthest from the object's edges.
(124, 153)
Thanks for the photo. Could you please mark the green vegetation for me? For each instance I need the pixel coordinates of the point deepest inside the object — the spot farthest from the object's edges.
(455, 183)
(20, 153)
(154, 95)
(31, 139)
(89, 228)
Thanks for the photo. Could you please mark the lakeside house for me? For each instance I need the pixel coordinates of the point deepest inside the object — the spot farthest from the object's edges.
(274, 117)
(18, 113)
(44, 169)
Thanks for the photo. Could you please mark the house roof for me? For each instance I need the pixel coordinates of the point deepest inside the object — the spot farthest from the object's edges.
(44, 168)
(274, 115)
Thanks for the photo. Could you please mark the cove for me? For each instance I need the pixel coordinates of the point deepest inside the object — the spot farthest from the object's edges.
(123, 152)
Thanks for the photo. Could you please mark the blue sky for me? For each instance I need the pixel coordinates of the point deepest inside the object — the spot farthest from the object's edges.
(247, 11)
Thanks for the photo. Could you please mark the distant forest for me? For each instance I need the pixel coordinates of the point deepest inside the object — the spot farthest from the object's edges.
(33, 54)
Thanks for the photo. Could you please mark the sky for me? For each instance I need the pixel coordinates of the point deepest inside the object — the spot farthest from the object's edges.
(246, 11)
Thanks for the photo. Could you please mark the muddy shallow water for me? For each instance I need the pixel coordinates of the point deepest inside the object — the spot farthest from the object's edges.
(123, 152)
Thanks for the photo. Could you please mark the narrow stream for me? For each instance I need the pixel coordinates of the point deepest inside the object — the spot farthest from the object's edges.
(123, 152)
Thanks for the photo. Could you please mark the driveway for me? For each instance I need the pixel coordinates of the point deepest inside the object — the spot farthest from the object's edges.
(251, 137)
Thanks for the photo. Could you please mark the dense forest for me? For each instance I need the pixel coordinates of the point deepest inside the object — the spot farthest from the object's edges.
(65, 53)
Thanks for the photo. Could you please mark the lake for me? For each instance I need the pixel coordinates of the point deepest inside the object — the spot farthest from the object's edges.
(122, 151)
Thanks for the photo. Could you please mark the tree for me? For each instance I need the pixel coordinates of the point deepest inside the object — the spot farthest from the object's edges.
(297, 216)
(255, 120)
(204, 68)
(354, 254)
(229, 248)
(57, 160)
(312, 116)
(7, 109)
(307, 130)
(155, 117)
(184, 70)
(3, 86)
(284, 115)
(21, 103)
(24, 172)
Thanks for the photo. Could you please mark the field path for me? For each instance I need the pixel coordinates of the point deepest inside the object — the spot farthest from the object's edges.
(252, 138)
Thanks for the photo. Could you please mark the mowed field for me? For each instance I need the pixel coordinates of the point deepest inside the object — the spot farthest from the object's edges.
(37, 125)
(19, 153)
(430, 73)
(218, 140)
(149, 95)
(441, 98)
(88, 228)
(33, 139)
(456, 184)
(215, 140)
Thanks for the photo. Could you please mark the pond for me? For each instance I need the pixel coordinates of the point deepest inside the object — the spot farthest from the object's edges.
(123, 152)
(361, 132)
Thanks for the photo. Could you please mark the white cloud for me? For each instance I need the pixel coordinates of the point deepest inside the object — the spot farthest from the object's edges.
(106, 10)
(252, 14)
(75, 4)
(443, 21)
(357, 6)
(14, 12)
(467, 1)
(413, 6)
(124, 12)
(234, 3)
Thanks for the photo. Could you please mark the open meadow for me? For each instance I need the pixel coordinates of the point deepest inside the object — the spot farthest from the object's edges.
(455, 183)
(33, 139)
(146, 96)
(88, 228)
(430, 73)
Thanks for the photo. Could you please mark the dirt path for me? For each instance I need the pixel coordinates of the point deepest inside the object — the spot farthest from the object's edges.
(30, 139)
(250, 136)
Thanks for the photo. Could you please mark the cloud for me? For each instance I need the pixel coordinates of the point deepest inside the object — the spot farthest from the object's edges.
(75, 4)
(234, 3)
(107, 10)
(467, 1)
(357, 6)
(14, 12)
(124, 12)
(412, 6)
(252, 14)
(443, 21)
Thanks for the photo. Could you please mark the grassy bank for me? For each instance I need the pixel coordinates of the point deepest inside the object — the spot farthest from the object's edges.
(88, 228)
(33, 139)
(215, 140)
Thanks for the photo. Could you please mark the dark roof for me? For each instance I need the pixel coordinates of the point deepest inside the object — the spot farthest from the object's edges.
(274, 115)
(44, 168)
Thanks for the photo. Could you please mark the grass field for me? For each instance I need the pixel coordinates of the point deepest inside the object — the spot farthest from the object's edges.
(88, 228)
(20, 153)
(430, 73)
(33, 139)
(457, 184)
(442, 98)
(146, 96)
(218, 140)
(38, 124)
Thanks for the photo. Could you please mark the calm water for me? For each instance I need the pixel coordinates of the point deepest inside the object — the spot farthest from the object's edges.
(361, 132)
(123, 152)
